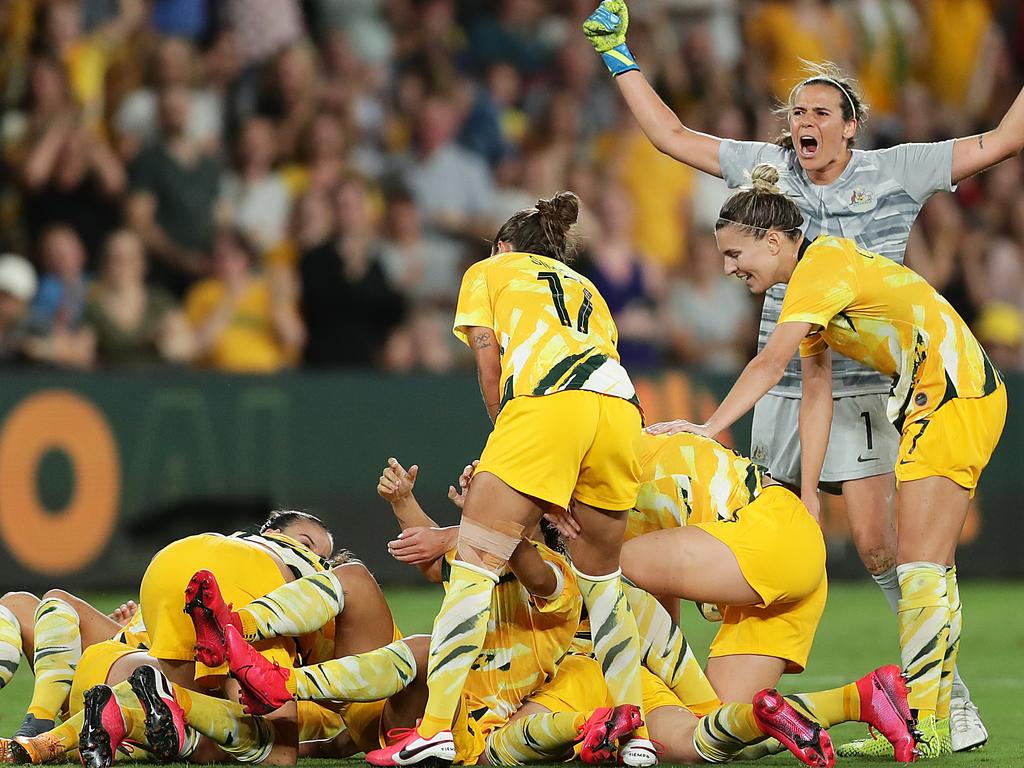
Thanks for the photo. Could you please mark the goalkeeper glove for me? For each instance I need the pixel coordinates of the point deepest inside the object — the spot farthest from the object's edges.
(606, 30)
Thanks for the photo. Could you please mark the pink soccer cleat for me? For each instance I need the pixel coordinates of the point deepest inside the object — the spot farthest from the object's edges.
(262, 681)
(410, 748)
(602, 730)
(166, 732)
(210, 616)
(804, 738)
(104, 728)
(883, 706)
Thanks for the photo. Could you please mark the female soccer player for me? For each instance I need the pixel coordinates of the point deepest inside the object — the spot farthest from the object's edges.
(872, 197)
(947, 402)
(566, 419)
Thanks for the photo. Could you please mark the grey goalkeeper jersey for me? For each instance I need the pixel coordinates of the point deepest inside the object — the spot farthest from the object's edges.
(873, 203)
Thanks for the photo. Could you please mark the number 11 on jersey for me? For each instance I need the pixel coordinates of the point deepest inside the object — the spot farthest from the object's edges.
(558, 297)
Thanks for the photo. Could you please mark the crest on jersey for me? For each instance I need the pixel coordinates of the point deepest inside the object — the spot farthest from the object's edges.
(862, 200)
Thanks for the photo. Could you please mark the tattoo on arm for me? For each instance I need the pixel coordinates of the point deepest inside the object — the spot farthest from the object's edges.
(481, 341)
(981, 140)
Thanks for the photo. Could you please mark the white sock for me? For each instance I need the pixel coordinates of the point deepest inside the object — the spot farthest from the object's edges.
(889, 582)
(960, 690)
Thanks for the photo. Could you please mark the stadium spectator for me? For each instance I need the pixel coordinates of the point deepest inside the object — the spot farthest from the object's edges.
(349, 306)
(56, 336)
(174, 188)
(627, 281)
(710, 316)
(133, 325)
(17, 287)
(238, 326)
(1000, 329)
(255, 197)
(137, 123)
(292, 97)
(71, 175)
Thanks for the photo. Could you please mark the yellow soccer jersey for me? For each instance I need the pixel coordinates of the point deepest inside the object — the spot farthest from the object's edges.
(554, 329)
(526, 639)
(690, 479)
(884, 315)
(134, 634)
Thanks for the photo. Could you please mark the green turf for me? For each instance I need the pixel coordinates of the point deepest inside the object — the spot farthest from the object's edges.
(856, 634)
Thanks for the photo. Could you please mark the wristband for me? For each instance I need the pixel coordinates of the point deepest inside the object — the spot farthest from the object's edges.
(619, 60)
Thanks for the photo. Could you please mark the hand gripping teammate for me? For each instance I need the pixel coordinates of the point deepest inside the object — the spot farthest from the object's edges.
(872, 197)
(947, 402)
(566, 419)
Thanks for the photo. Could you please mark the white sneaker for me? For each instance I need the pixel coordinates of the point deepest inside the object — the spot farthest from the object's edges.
(638, 753)
(966, 731)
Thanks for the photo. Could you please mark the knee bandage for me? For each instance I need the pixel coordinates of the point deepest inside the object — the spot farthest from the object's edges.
(488, 546)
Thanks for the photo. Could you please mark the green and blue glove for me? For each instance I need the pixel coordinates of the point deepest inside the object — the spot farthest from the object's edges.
(606, 30)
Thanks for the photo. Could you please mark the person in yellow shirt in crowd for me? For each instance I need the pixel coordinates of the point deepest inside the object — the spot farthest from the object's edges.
(239, 324)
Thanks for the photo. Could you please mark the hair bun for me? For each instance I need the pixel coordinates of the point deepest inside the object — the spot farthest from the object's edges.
(765, 178)
(563, 209)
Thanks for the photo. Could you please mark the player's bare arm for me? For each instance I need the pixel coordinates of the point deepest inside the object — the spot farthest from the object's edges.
(815, 423)
(973, 154)
(485, 348)
(606, 30)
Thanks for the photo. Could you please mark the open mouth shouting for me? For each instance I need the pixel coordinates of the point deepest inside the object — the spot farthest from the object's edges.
(808, 145)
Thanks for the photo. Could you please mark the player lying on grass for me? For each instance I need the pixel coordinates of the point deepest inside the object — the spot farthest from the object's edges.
(947, 400)
(51, 632)
(878, 698)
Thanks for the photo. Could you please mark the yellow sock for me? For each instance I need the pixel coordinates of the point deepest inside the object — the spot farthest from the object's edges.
(247, 738)
(10, 645)
(722, 733)
(831, 707)
(616, 641)
(58, 647)
(132, 712)
(459, 632)
(956, 618)
(539, 738)
(369, 676)
(924, 631)
(666, 653)
(293, 609)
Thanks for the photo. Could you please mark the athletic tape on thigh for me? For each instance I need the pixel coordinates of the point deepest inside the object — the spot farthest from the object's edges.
(488, 546)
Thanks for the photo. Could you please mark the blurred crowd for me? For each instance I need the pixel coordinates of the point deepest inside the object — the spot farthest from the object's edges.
(252, 185)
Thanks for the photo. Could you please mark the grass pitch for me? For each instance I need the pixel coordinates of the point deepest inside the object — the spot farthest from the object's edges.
(856, 634)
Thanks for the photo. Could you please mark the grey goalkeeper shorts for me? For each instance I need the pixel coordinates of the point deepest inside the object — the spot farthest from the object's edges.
(862, 443)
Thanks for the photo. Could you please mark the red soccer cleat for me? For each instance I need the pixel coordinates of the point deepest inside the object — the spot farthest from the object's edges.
(602, 730)
(104, 728)
(166, 732)
(262, 681)
(883, 706)
(410, 748)
(210, 616)
(804, 738)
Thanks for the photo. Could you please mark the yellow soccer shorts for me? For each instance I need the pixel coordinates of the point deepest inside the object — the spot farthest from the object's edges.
(956, 441)
(579, 686)
(318, 722)
(93, 668)
(568, 445)
(781, 553)
(244, 573)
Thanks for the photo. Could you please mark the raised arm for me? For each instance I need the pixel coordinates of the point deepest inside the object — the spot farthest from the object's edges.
(815, 424)
(606, 30)
(761, 374)
(973, 154)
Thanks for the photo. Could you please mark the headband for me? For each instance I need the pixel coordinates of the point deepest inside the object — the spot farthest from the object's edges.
(832, 81)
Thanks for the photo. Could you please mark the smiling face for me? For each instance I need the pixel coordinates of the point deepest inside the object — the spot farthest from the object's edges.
(760, 263)
(820, 134)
